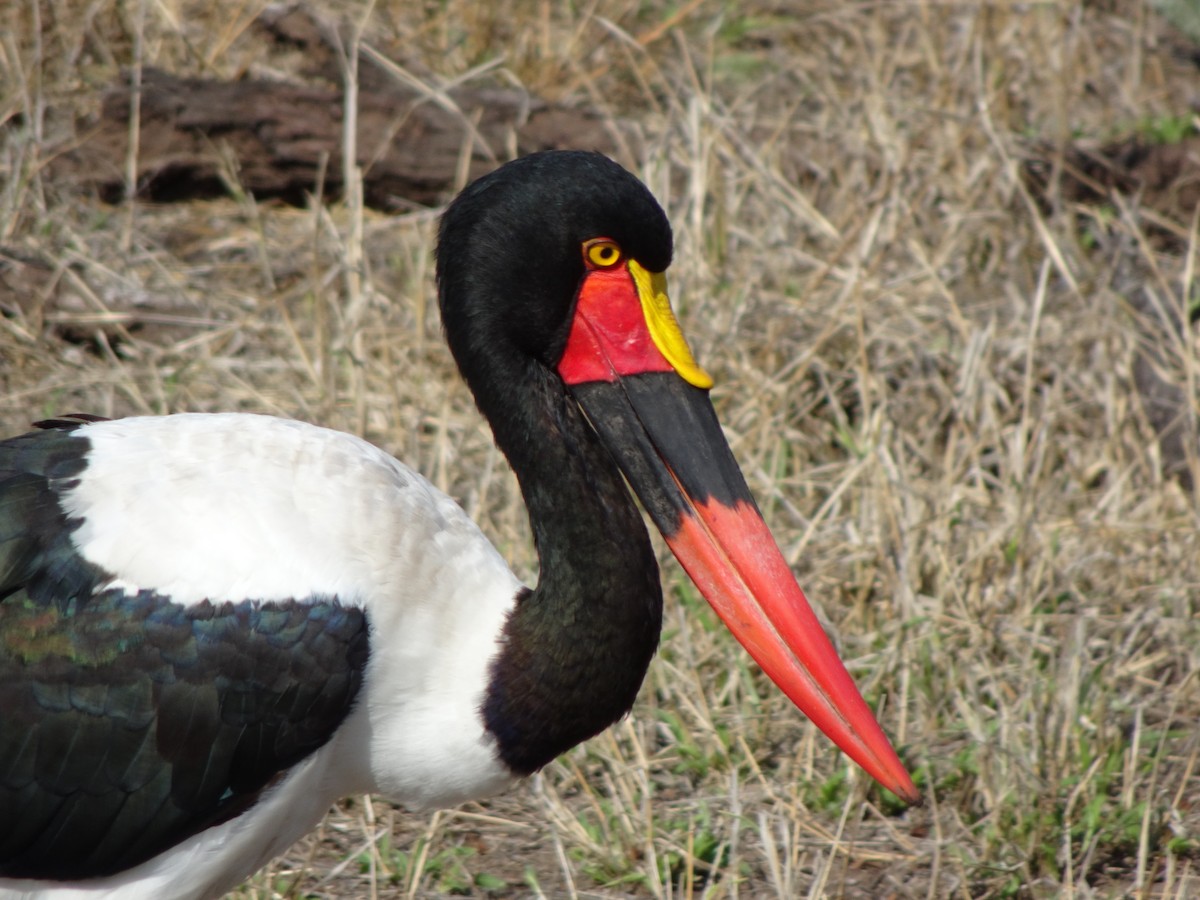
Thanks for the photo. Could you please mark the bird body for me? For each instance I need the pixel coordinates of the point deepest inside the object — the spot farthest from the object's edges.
(216, 510)
(214, 626)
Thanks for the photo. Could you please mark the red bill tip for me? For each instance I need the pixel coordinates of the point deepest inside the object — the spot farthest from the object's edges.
(732, 557)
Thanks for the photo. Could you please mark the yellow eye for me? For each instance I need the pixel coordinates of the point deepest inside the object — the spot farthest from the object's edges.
(601, 253)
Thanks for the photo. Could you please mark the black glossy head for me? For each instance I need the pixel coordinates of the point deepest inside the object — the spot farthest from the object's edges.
(509, 263)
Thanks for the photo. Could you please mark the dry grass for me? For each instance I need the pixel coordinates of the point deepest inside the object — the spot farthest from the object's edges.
(926, 374)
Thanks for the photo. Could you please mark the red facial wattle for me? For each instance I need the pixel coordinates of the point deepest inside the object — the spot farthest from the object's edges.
(609, 337)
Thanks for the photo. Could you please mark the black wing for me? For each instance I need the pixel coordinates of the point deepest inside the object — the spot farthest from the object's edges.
(129, 722)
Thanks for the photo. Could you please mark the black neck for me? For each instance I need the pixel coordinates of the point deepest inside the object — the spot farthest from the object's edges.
(576, 647)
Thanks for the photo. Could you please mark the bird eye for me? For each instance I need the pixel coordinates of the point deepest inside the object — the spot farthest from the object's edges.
(601, 253)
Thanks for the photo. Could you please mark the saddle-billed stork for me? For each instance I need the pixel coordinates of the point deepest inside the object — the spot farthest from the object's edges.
(214, 626)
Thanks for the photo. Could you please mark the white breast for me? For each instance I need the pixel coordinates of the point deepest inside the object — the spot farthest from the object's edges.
(230, 507)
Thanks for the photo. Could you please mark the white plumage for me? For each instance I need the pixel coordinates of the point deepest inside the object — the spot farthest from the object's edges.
(228, 507)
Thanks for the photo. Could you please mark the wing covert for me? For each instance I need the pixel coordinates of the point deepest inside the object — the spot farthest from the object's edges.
(129, 722)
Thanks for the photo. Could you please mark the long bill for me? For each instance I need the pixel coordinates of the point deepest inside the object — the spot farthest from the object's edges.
(665, 436)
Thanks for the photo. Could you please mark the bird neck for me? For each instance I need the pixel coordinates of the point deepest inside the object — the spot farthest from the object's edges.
(576, 648)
